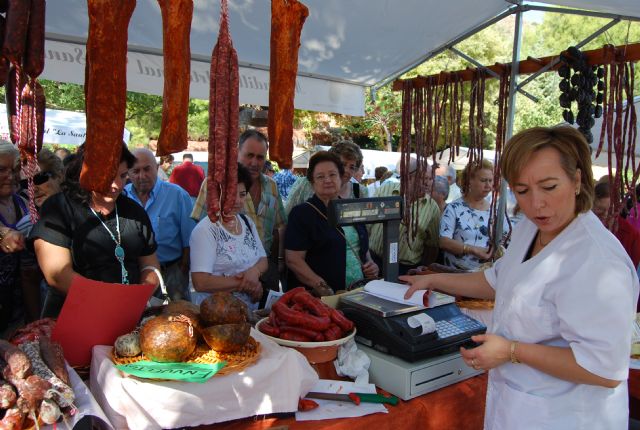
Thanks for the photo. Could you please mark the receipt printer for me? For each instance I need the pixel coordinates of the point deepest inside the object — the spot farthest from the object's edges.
(389, 327)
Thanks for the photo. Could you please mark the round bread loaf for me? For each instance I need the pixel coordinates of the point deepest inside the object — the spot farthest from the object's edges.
(185, 308)
(227, 337)
(168, 338)
(222, 308)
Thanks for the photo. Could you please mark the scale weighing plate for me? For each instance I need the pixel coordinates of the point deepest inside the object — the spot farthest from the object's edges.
(376, 305)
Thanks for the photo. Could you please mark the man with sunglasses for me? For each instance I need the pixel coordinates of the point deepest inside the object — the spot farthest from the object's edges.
(169, 209)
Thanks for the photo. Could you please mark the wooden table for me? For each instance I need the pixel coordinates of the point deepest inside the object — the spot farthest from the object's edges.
(459, 406)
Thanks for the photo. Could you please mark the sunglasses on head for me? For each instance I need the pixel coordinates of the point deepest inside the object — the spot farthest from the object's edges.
(41, 177)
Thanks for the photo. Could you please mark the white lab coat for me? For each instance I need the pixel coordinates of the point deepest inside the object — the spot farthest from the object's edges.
(580, 292)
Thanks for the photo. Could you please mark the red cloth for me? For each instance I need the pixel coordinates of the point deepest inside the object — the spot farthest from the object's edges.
(189, 176)
(629, 237)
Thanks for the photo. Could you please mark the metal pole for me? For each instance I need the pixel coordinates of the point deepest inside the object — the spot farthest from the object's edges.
(511, 114)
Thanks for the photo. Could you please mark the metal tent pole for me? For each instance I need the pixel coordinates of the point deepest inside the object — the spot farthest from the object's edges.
(511, 113)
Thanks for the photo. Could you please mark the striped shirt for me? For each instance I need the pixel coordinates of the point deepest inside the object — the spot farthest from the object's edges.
(410, 249)
(269, 216)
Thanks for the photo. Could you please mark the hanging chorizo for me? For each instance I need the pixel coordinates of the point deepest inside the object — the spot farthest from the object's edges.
(34, 52)
(176, 29)
(15, 35)
(287, 19)
(106, 90)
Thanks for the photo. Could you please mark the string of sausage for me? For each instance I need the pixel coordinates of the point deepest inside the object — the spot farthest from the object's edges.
(287, 19)
(222, 180)
(105, 91)
(176, 29)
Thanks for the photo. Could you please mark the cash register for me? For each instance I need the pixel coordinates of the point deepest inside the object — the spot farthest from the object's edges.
(405, 361)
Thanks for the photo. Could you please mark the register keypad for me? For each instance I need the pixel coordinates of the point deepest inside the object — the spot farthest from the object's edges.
(456, 325)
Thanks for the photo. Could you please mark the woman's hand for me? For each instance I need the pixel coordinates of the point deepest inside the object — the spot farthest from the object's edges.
(494, 351)
(370, 270)
(415, 283)
(481, 253)
(12, 241)
(250, 283)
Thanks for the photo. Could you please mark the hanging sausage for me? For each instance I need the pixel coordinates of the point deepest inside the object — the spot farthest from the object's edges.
(224, 108)
(287, 19)
(176, 29)
(105, 91)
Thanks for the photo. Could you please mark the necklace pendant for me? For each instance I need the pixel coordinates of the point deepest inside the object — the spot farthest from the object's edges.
(119, 253)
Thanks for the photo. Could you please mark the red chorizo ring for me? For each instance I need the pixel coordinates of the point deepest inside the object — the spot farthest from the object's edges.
(18, 363)
(269, 329)
(299, 319)
(34, 53)
(15, 36)
(311, 334)
(176, 28)
(295, 337)
(315, 306)
(333, 333)
(341, 321)
(288, 296)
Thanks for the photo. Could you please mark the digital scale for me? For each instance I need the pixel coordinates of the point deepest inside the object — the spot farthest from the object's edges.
(404, 361)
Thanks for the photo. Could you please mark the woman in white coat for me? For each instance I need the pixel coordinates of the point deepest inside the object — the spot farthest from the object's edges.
(565, 295)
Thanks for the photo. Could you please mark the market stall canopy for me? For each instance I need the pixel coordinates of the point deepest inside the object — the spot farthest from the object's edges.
(61, 127)
(346, 46)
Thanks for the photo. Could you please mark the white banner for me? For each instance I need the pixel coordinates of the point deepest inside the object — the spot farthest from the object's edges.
(65, 62)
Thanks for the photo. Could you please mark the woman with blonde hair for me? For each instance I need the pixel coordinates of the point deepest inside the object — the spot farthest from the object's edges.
(565, 294)
(464, 226)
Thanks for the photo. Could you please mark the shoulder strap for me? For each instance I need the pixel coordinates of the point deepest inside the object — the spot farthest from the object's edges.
(246, 222)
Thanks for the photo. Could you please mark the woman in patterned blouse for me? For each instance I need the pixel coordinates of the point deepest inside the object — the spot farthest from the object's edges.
(464, 224)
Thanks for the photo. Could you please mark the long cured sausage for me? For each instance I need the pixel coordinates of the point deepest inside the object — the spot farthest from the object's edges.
(34, 53)
(31, 119)
(287, 19)
(106, 91)
(15, 36)
(223, 123)
(176, 30)
(4, 63)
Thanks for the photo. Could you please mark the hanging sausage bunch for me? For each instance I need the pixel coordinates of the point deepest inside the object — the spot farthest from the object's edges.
(222, 181)
(619, 128)
(22, 61)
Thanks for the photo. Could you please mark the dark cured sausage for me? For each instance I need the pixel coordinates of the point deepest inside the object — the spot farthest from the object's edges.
(106, 91)
(223, 123)
(32, 119)
(287, 19)
(4, 63)
(15, 36)
(176, 29)
(34, 54)
(53, 356)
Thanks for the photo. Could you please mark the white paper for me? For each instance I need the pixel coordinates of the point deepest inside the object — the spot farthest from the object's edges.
(330, 409)
(427, 324)
(395, 292)
(272, 298)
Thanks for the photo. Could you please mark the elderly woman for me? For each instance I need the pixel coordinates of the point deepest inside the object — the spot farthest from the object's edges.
(565, 295)
(12, 209)
(322, 257)
(227, 255)
(464, 233)
(105, 237)
(351, 157)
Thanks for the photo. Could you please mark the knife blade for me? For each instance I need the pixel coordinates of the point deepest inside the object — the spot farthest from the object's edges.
(354, 397)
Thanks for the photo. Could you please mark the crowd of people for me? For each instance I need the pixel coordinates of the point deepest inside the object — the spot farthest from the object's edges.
(565, 290)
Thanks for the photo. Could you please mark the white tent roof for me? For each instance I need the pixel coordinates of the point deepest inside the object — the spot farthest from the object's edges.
(346, 44)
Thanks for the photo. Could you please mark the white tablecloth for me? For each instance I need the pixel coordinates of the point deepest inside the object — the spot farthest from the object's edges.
(272, 385)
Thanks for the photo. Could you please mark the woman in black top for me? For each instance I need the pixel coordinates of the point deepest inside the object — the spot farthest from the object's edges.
(105, 237)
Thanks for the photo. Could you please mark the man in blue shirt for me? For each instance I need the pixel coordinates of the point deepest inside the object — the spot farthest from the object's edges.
(169, 209)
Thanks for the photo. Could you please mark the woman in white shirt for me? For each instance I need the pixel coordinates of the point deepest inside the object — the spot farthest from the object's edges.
(565, 296)
(228, 255)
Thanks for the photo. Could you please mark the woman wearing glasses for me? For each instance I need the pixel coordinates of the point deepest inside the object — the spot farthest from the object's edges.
(322, 257)
(101, 236)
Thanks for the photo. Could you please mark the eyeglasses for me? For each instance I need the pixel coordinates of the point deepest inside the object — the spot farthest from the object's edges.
(6, 170)
(321, 178)
(41, 178)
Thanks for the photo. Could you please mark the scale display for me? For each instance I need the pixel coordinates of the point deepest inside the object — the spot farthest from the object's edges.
(366, 210)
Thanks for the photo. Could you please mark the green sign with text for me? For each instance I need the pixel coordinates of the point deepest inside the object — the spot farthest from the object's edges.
(186, 372)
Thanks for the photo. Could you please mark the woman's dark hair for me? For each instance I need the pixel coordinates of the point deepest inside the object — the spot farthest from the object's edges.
(71, 184)
(321, 156)
(244, 176)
